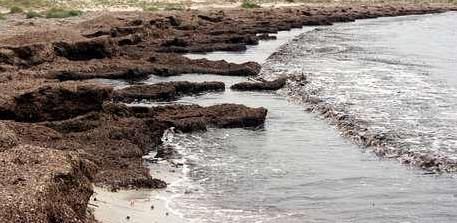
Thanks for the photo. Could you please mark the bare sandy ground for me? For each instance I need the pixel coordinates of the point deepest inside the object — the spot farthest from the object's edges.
(129, 5)
(133, 207)
(138, 206)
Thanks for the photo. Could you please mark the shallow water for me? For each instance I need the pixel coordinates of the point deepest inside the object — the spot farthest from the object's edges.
(395, 76)
(297, 168)
(258, 53)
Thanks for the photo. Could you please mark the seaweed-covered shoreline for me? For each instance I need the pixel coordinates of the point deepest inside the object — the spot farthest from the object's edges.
(61, 131)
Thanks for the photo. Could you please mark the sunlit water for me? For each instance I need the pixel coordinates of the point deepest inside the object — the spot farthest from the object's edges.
(297, 168)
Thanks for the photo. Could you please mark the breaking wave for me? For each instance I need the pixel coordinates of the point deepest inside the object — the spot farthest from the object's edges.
(387, 84)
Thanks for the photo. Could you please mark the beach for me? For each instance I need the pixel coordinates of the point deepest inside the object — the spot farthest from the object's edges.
(74, 134)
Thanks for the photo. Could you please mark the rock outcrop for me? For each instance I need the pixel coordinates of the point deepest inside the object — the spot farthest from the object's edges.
(165, 91)
(189, 118)
(60, 101)
(260, 85)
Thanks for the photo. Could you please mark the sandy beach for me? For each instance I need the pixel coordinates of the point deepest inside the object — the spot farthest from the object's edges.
(132, 206)
(140, 205)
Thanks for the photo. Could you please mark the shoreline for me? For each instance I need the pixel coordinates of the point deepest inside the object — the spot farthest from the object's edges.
(132, 206)
(50, 105)
(138, 205)
(354, 128)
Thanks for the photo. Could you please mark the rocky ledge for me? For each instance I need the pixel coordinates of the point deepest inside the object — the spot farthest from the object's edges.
(260, 85)
(165, 91)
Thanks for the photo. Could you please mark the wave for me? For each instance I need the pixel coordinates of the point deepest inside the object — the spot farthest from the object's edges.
(384, 99)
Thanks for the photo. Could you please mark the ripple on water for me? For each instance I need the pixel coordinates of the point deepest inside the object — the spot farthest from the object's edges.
(395, 78)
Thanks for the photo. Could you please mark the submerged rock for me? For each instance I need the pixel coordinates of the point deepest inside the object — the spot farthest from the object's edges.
(189, 118)
(236, 116)
(167, 152)
(261, 86)
(186, 87)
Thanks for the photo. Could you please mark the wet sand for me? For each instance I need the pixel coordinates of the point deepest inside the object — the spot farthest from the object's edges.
(133, 206)
(139, 205)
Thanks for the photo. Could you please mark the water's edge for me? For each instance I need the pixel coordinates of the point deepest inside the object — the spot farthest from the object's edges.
(297, 167)
(307, 89)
